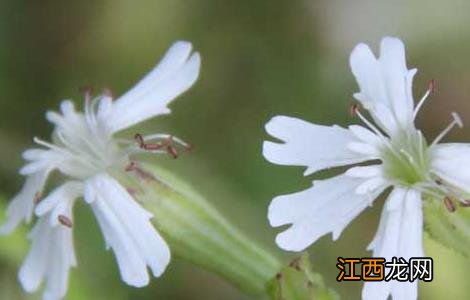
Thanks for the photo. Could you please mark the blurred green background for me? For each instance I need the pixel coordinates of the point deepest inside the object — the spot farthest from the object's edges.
(260, 59)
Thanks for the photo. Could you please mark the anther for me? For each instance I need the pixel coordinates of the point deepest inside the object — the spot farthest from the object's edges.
(449, 204)
(133, 167)
(131, 191)
(130, 167)
(295, 263)
(458, 121)
(465, 203)
(108, 92)
(151, 146)
(172, 151)
(64, 220)
(353, 109)
(86, 91)
(189, 147)
(432, 86)
(37, 197)
(430, 90)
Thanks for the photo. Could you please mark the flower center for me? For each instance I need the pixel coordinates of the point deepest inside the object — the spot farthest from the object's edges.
(406, 159)
(84, 145)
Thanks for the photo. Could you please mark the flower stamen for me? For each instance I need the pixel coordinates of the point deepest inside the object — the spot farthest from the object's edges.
(429, 91)
(355, 111)
(456, 120)
(168, 143)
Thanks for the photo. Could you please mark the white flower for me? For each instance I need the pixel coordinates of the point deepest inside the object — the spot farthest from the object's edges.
(399, 157)
(86, 152)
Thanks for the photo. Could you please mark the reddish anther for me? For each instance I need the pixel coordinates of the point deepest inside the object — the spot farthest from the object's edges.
(108, 92)
(64, 220)
(189, 147)
(353, 108)
(37, 197)
(151, 146)
(131, 191)
(432, 86)
(465, 203)
(449, 204)
(172, 151)
(132, 167)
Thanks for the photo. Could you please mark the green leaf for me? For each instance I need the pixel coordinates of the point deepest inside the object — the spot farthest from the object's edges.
(449, 229)
(297, 281)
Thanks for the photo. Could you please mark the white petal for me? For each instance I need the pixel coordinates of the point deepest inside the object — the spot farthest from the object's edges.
(366, 171)
(22, 205)
(127, 230)
(364, 149)
(66, 192)
(366, 136)
(50, 258)
(328, 206)
(385, 84)
(451, 163)
(60, 202)
(69, 122)
(175, 73)
(400, 234)
(371, 185)
(305, 144)
(39, 160)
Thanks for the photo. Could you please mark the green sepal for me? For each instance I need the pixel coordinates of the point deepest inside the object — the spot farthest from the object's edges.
(297, 281)
(450, 229)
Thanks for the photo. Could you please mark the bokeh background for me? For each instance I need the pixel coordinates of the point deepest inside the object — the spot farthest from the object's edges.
(260, 59)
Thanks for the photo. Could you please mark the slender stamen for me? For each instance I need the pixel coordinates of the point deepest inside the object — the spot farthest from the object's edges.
(167, 136)
(50, 146)
(408, 156)
(99, 154)
(63, 151)
(456, 121)
(431, 87)
(355, 110)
